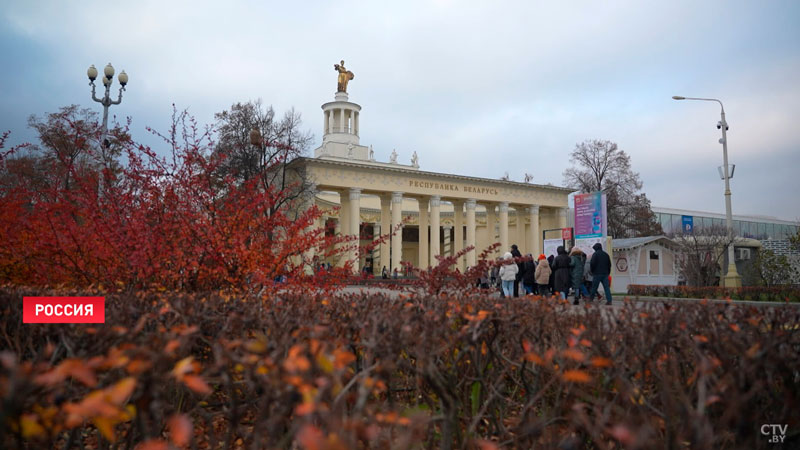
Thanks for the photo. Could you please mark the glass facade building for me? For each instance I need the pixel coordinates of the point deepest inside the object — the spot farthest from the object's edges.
(753, 227)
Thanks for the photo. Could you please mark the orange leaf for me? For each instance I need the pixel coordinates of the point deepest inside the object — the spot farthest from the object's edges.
(342, 358)
(486, 445)
(484, 348)
(119, 392)
(106, 427)
(700, 338)
(197, 384)
(182, 367)
(180, 429)
(310, 437)
(577, 376)
(526, 346)
(80, 371)
(138, 366)
(600, 361)
(29, 426)
(534, 358)
(586, 343)
(304, 409)
(573, 354)
(171, 346)
(153, 444)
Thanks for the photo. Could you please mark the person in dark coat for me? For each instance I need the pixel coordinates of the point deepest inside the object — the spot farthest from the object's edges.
(551, 284)
(561, 269)
(577, 260)
(520, 267)
(529, 275)
(601, 269)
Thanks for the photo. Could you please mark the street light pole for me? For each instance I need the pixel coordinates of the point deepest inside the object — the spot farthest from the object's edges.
(732, 278)
(108, 78)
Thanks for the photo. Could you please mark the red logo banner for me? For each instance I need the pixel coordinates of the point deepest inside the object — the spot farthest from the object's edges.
(63, 310)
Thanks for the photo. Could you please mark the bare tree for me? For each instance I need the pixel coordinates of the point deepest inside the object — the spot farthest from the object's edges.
(602, 166)
(701, 254)
(267, 153)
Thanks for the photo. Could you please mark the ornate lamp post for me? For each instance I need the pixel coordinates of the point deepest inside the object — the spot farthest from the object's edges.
(108, 78)
(732, 278)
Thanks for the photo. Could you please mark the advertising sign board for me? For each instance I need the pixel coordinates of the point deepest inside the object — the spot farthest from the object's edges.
(590, 215)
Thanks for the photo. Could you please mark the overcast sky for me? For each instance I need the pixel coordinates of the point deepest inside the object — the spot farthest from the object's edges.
(476, 88)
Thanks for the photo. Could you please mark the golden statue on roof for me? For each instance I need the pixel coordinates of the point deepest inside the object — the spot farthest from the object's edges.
(344, 76)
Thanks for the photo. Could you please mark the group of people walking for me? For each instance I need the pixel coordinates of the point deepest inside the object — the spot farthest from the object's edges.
(561, 274)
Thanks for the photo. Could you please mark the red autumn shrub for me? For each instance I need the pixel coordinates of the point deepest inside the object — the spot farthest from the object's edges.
(174, 222)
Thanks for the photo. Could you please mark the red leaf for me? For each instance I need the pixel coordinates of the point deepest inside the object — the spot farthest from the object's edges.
(180, 429)
(197, 384)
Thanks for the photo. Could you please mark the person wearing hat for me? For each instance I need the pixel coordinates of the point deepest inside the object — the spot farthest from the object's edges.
(577, 260)
(543, 275)
(601, 269)
(508, 274)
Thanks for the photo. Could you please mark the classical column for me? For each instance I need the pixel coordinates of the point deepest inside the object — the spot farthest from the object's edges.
(355, 227)
(376, 232)
(342, 120)
(562, 217)
(504, 245)
(423, 233)
(344, 227)
(491, 224)
(534, 237)
(524, 247)
(471, 256)
(458, 221)
(436, 201)
(386, 227)
(355, 123)
(397, 239)
(447, 248)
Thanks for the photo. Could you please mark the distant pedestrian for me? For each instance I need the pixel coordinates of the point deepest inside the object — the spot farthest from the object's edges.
(385, 273)
(601, 269)
(508, 273)
(551, 283)
(529, 274)
(517, 256)
(543, 273)
(577, 260)
(562, 274)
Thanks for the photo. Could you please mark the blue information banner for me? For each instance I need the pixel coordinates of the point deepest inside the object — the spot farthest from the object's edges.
(687, 224)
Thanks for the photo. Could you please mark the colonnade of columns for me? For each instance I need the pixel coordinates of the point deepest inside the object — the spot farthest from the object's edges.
(341, 120)
(429, 242)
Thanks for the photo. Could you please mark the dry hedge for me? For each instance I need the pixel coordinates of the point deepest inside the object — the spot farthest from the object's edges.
(371, 371)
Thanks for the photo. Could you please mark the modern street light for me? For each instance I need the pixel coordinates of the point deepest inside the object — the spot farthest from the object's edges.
(732, 278)
(108, 78)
